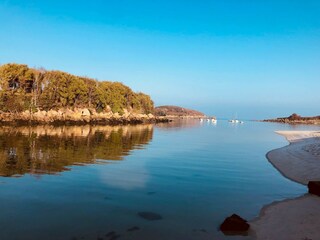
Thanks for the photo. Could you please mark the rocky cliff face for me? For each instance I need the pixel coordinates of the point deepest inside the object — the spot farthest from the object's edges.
(175, 111)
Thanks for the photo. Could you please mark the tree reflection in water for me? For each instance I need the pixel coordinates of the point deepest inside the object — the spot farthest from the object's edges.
(49, 150)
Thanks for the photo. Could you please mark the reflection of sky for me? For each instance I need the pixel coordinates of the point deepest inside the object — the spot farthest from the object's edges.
(129, 176)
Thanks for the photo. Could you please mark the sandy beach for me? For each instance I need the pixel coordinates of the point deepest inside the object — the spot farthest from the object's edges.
(293, 218)
(299, 161)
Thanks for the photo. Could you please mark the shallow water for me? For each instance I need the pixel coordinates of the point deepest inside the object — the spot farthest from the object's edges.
(169, 181)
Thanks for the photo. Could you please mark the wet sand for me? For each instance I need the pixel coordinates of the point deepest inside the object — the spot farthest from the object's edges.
(294, 218)
(300, 160)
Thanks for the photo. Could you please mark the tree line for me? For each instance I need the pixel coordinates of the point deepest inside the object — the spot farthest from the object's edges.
(23, 88)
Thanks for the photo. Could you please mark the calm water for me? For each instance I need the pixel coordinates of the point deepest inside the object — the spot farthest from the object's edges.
(85, 182)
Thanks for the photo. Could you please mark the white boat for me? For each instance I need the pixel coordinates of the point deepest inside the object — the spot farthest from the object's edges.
(234, 121)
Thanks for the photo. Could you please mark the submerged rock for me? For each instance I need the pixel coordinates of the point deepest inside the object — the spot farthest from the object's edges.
(135, 228)
(314, 187)
(150, 216)
(234, 224)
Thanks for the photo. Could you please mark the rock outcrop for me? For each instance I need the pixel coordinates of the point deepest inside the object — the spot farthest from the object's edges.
(234, 224)
(175, 111)
(295, 119)
(314, 187)
(78, 116)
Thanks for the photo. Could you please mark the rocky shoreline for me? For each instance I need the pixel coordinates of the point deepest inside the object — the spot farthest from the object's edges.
(295, 119)
(78, 116)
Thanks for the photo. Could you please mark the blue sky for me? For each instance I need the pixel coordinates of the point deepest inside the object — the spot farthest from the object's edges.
(258, 59)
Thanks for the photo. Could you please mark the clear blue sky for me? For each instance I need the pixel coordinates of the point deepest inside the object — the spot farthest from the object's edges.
(257, 58)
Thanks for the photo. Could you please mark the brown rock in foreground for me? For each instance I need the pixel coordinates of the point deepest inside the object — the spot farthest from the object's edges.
(314, 187)
(234, 224)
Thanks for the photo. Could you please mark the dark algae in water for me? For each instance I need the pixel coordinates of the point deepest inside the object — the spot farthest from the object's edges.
(151, 216)
(132, 229)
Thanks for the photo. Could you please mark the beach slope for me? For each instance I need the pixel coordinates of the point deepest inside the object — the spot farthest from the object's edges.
(300, 160)
(294, 218)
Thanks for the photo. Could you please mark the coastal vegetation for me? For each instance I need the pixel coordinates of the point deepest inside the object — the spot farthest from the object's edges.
(35, 89)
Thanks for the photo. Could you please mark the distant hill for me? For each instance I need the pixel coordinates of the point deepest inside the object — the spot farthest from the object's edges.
(175, 111)
(296, 119)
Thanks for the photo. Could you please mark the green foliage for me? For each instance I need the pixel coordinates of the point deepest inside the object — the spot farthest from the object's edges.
(14, 103)
(16, 76)
(146, 104)
(26, 88)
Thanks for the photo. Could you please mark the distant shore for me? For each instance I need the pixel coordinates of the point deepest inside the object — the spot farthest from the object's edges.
(79, 116)
(294, 218)
(295, 119)
(176, 112)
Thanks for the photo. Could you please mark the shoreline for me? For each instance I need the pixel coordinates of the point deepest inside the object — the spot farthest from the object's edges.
(104, 122)
(77, 117)
(296, 218)
(289, 219)
(298, 161)
(302, 122)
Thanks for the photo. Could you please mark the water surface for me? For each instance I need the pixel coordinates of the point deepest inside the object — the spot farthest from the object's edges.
(100, 182)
